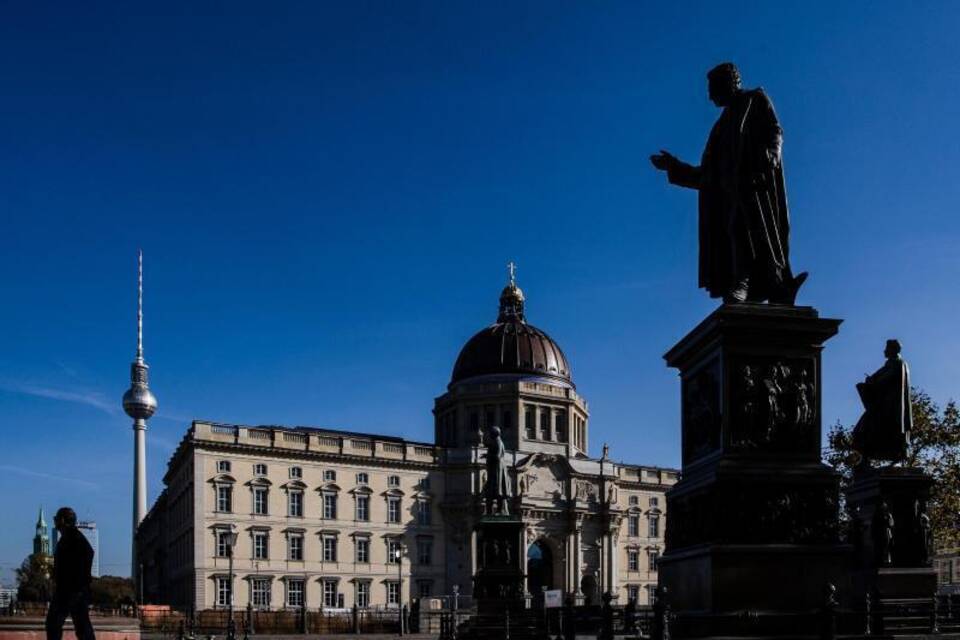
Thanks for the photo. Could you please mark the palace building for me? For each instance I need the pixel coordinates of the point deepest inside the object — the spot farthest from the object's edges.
(332, 519)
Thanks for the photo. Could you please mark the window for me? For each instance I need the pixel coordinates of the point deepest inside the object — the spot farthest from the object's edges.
(223, 466)
(393, 509)
(634, 501)
(393, 593)
(363, 594)
(296, 473)
(363, 478)
(260, 501)
(295, 546)
(393, 547)
(260, 547)
(633, 593)
(530, 422)
(294, 593)
(654, 502)
(223, 549)
(651, 590)
(330, 506)
(425, 484)
(544, 424)
(425, 551)
(653, 557)
(330, 593)
(363, 550)
(224, 597)
(393, 481)
(224, 498)
(424, 588)
(261, 592)
(260, 469)
(633, 560)
(329, 549)
(653, 526)
(295, 504)
(363, 508)
(633, 526)
(561, 426)
(507, 420)
(424, 513)
(329, 475)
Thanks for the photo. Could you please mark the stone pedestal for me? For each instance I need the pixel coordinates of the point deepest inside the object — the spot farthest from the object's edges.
(753, 523)
(498, 583)
(891, 536)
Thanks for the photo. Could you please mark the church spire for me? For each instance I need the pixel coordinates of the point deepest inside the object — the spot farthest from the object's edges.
(511, 298)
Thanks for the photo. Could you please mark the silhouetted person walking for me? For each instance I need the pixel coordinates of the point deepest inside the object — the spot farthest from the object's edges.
(71, 575)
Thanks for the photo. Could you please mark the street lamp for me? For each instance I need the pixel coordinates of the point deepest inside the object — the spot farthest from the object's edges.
(397, 555)
(230, 538)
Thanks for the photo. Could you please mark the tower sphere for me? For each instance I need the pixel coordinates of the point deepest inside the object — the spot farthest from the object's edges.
(139, 402)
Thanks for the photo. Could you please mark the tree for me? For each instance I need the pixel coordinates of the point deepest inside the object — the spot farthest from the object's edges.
(111, 592)
(934, 447)
(33, 579)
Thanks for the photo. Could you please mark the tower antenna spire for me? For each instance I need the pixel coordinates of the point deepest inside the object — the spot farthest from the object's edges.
(140, 305)
(512, 270)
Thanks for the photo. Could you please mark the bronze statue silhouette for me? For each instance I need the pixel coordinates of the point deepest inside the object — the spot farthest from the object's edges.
(497, 488)
(744, 222)
(883, 431)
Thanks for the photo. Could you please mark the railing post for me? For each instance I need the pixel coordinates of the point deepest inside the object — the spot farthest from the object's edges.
(868, 618)
(829, 614)
(355, 615)
(934, 615)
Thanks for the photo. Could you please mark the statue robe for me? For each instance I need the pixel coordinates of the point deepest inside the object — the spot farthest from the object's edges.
(744, 224)
(498, 477)
(883, 431)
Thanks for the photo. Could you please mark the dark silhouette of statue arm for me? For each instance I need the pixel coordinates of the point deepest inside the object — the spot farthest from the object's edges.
(678, 172)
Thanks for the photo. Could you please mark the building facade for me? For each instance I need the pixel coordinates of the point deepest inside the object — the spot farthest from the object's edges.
(333, 519)
(947, 564)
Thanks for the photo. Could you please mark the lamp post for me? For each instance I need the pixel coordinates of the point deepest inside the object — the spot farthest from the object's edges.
(398, 555)
(231, 540)
(600, 590)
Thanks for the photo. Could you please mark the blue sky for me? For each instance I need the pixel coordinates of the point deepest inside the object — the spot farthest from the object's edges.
(327, 196)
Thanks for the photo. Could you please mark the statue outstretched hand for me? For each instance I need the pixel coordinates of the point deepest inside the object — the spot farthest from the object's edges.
(664, 161)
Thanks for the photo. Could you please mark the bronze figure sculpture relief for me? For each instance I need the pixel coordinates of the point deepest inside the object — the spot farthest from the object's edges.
(744, 225)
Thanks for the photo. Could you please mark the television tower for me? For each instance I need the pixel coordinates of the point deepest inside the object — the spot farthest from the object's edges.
(139, 404)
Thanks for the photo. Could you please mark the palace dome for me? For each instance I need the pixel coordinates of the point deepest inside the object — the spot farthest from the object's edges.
(511, 346)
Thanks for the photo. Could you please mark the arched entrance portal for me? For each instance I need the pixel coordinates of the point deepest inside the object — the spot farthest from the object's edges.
(539, 568)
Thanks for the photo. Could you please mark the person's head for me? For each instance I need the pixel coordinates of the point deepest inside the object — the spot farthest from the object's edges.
(65, 518)
(723, 83)
(495, 431)
(892, 350)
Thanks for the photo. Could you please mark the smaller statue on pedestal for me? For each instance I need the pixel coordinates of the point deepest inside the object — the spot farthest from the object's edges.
(883, 524)
(924, 535)
(497, 488)
(883, 432)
